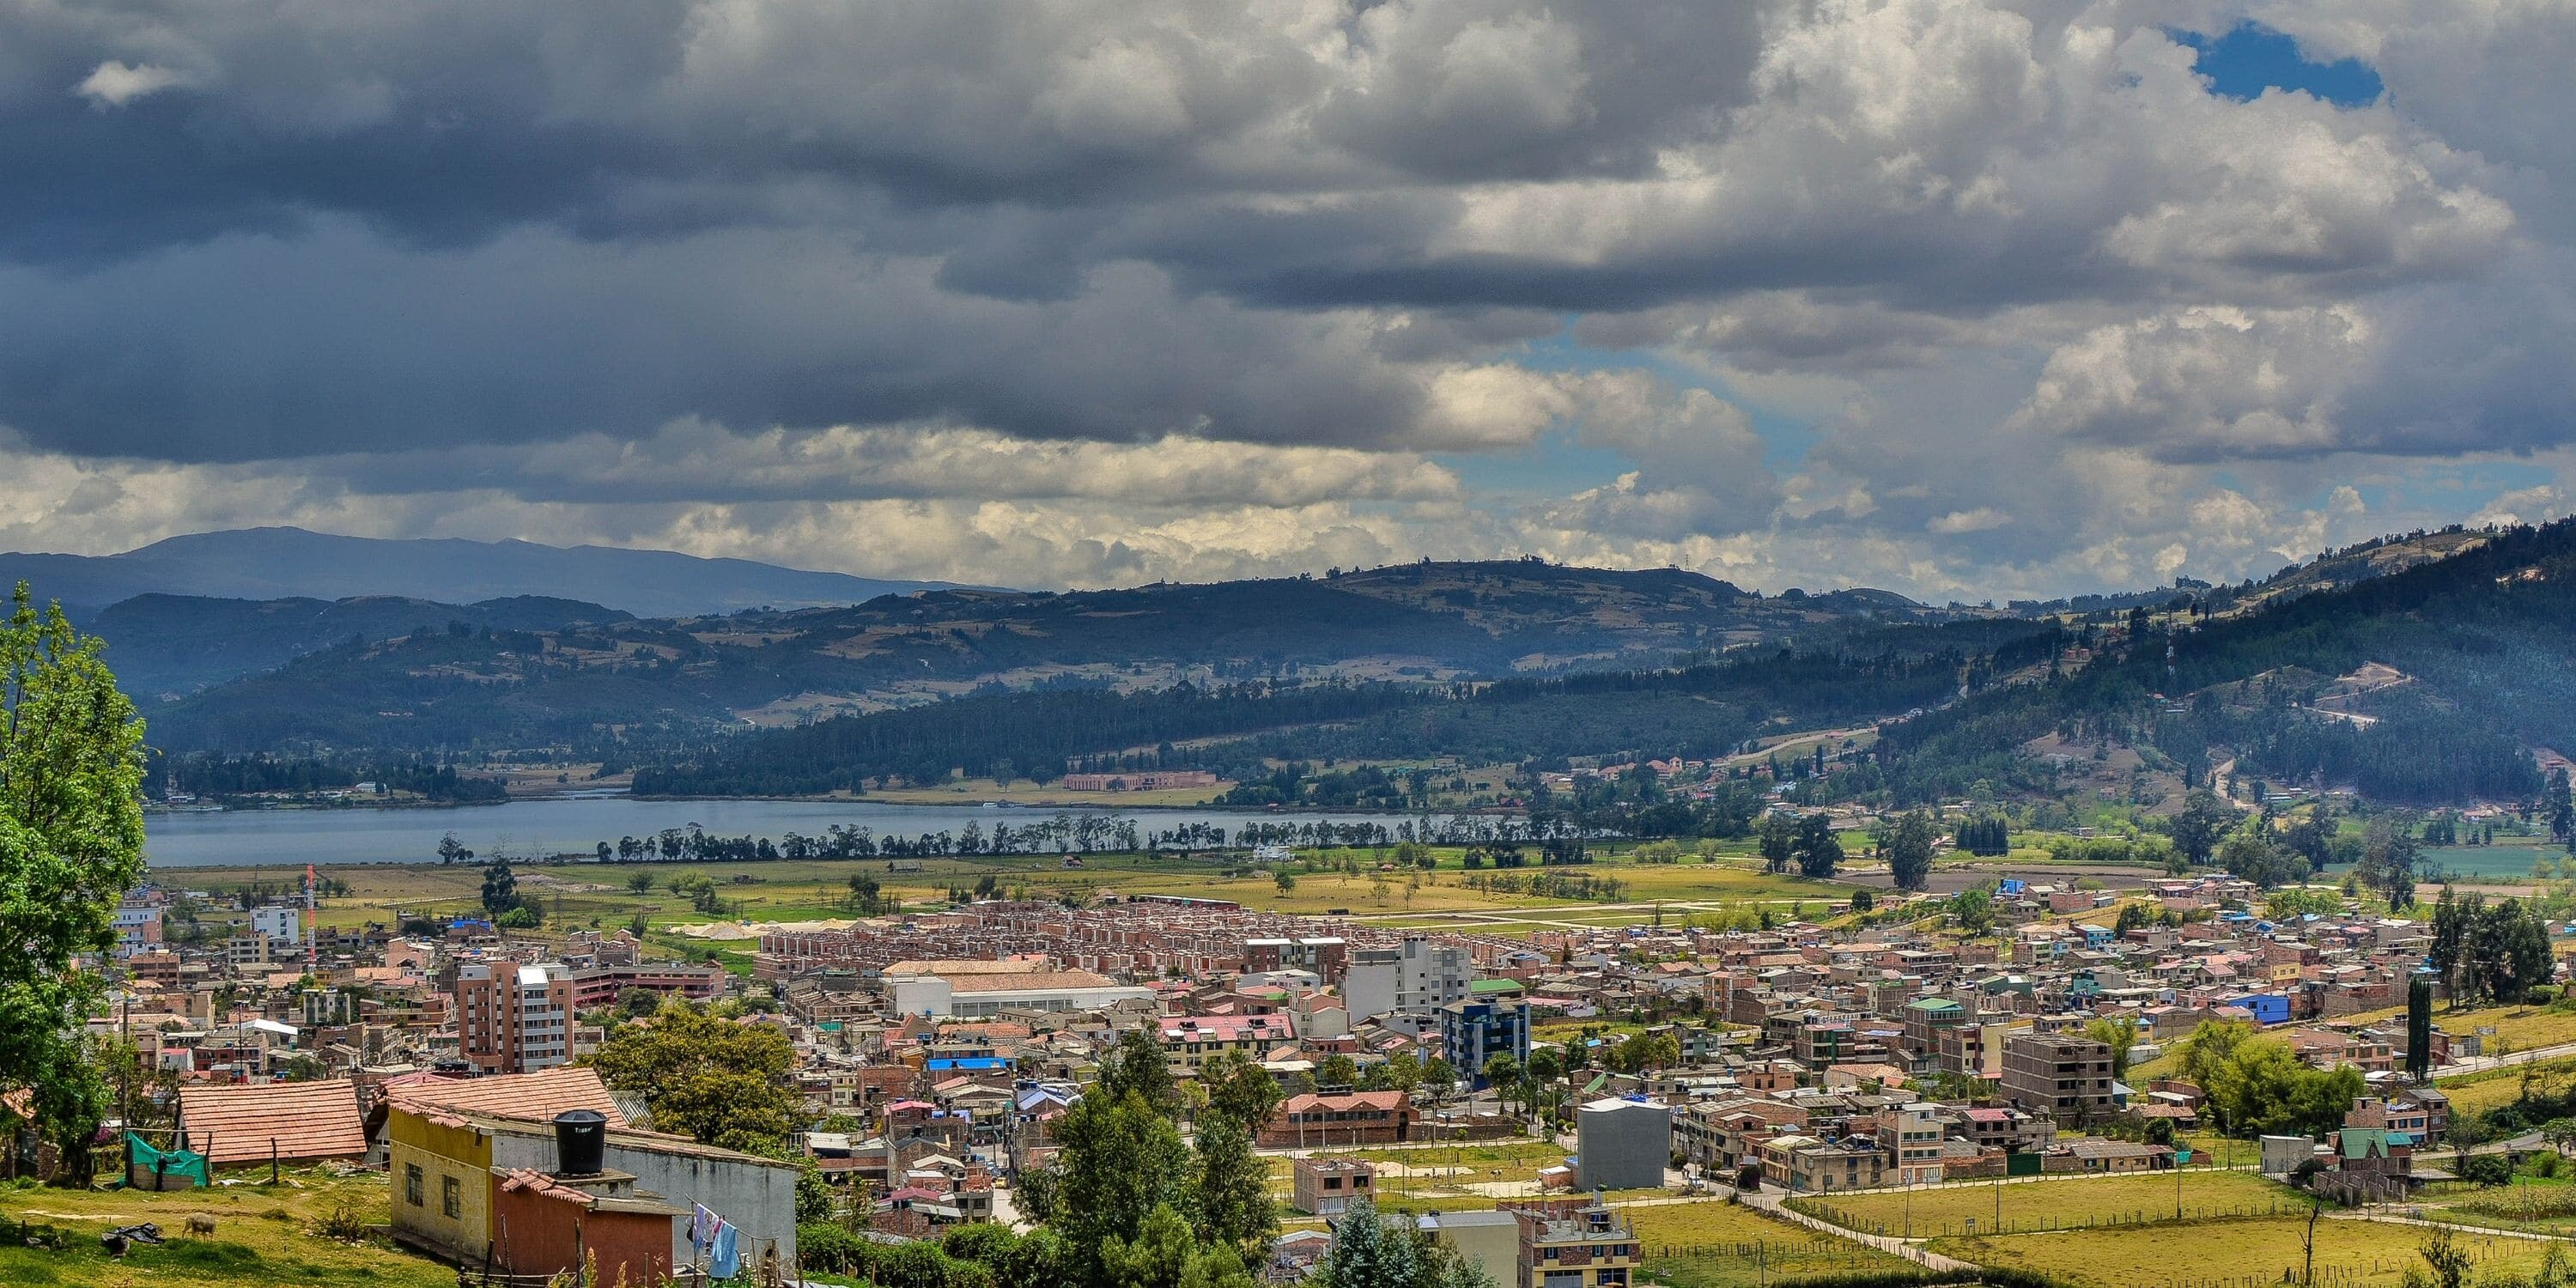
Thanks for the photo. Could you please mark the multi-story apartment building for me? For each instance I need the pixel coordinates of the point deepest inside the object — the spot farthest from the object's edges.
(283, 924)
(1414, 978)
(2058, 1074)
(1574, 1243)
(1972, 1050)
(513, 1018)
(1192, 1040)
(1914, 1133)
(1472, 1033)
(1326, 955)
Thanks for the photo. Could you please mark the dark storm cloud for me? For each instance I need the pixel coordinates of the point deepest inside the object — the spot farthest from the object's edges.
(1956, 240)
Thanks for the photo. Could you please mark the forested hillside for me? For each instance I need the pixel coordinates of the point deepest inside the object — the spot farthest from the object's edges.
(518, 674)
(1702, 710)
(2481, 639)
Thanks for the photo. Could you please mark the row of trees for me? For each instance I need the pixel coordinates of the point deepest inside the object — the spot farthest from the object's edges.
(2488, 951)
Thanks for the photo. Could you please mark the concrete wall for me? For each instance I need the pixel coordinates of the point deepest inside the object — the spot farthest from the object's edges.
(757, 1194)
(1494, 1246)
(2283, 1154)
(1622, 1144)
(919, 995)
(1368, 989)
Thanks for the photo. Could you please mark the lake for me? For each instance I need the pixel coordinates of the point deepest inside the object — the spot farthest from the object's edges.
(295, 837)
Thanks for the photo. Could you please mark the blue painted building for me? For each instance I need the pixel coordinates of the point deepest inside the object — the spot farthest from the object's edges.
(2268, 1008)
(1474, 1031)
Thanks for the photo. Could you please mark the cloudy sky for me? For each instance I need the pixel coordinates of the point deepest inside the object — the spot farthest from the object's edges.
(1962, 298)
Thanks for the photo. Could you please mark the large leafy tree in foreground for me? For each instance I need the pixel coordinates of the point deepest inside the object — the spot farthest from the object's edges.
(723, 1082)
(71, 842)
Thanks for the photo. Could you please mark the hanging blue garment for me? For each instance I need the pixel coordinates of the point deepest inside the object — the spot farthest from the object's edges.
(726, 1260)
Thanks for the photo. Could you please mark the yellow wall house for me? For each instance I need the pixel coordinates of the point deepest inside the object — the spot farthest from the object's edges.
(442, 1186)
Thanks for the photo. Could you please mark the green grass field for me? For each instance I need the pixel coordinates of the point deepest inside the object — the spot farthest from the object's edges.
(263, 1235)
(580, 895)
(2237, 1254)
(1718, 1244)
(2050, 1204)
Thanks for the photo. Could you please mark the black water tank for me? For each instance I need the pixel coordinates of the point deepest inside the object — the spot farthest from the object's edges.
(581, 1142)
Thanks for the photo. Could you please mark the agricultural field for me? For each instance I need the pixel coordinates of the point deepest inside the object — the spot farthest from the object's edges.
(2480, 1092)
(2051, 1204)
(263, 1234)
(1714, 1243)
(2239, 1254)
(577, 895)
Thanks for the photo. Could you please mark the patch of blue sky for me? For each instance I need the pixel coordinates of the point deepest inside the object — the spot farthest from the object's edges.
(2251, 58)
(1558, 464)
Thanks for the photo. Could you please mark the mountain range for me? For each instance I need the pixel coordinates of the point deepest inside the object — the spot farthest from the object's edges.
(291, 563)
(425, 676)
(2369, 663)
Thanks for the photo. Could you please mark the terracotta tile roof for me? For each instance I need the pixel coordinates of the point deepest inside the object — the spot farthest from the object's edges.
(1344, 1101)
(536, 1097)
(306, 1120)
(1017, 981)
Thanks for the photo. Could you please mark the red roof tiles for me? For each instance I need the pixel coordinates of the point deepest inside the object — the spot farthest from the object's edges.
(301, 1120)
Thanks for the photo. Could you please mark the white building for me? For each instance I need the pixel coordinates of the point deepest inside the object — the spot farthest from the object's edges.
(285, 925)
(1415, 978)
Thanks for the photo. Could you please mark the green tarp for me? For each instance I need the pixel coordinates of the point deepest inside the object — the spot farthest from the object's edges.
(166, 1162)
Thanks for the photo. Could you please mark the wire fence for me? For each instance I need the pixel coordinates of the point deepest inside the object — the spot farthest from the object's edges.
(2345, 1274)
(1772, 1261)
(1934, 1227)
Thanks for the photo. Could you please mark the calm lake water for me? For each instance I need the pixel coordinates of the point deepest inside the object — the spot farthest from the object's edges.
(293, 838)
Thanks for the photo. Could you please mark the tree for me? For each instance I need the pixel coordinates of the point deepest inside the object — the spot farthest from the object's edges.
(1119, 1160)
(2450, 1263)
(2388, 856)
(451, 850)
(2250, 855)
(1371, 1252)
(1337, 1070)
(640, 881)
(1818, 852)
(2452, 917)
(500, 887)
(2419, 1026)
(1909, 850)
(1285, 880)
(1163, 1254)
(1975, 909)
(1779, 840)
(1234, 1205)
(2508, 951)
(1137, 1064)
(725, 1084)
(2203, 819)
(2119, 1034)
(2558, 801)
(71, 843)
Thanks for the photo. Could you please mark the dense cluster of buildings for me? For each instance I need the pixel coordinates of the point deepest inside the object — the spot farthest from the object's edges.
(936, 1053)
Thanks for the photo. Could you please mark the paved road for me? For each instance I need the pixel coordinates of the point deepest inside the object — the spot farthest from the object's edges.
(1775, 1202)
(2482, 1063)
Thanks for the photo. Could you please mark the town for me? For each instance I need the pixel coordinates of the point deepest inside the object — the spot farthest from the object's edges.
(2038, 1073)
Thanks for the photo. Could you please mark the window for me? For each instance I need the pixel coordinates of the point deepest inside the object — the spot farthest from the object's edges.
(451, 1196)
(413, 1191)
